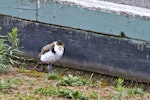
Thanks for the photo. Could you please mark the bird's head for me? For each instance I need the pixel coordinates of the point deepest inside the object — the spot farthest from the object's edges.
(60, 44)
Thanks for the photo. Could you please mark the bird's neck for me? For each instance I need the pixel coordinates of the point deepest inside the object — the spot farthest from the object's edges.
(57, 50)
(53, 50)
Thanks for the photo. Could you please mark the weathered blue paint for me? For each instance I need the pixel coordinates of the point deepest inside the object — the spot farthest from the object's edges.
(78, 17)
(18, 8)
(94, 20)
(138, 3)
(85, 50)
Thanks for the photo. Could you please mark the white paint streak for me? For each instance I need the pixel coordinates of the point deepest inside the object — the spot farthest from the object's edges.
(38, 4)
(111, 7)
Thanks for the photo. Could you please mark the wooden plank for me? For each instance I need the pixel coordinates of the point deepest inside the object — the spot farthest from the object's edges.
(85, 50)
(100, 16)
(18, 8)
(138, 3)
(93, 15)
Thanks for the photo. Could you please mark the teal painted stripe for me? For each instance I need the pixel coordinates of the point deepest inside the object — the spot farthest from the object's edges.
(77, 17)
(94, 20)
(18, 8)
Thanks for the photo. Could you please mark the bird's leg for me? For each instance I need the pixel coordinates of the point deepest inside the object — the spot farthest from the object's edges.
(37, 65)
(49, 68)
(39, 68)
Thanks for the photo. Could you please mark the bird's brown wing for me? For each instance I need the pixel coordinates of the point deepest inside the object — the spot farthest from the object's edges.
(46, 49)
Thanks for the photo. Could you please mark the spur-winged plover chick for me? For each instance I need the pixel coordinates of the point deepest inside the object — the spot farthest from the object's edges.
(51, 53)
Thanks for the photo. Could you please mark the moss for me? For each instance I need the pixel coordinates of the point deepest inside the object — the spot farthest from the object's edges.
(31, 73)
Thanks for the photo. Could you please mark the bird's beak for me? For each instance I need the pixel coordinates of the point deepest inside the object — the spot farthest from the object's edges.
(60, 46)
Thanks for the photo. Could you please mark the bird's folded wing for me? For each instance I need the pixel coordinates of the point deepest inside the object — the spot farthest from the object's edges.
(46, 49)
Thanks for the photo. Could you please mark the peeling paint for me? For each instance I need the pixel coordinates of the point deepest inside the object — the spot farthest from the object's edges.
(38, 4)
(138, 3)
(95, 20)
(140, 47)
(106, 7)
(147, 56)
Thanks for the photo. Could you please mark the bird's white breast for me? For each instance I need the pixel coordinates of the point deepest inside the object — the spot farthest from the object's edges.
(50, 57)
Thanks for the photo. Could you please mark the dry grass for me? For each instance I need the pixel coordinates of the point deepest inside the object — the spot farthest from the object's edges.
(27, 81)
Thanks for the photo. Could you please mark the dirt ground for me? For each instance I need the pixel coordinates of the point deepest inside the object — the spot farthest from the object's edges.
(101, 87)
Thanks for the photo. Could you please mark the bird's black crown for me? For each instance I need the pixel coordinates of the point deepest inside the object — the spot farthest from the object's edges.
(60, 43)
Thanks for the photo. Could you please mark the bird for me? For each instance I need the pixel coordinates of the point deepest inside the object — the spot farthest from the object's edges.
(51, 53)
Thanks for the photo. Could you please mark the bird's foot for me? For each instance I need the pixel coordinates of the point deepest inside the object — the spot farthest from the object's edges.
(49, 68)
(36, 66)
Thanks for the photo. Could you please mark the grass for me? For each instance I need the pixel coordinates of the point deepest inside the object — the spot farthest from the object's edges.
(52, 76)
(122, 92)
(93, 95)
(22, 85)
(61, 92)
(9, 83)
(48, 91)
(71, 80)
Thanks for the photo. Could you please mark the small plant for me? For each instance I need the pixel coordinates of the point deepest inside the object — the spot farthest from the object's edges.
(26, 97)
(90, 80)
(31, 82)
(93, 95)
(119, 82)
(52, 76)
(50, 91)
(12, 38)
(64, 92)
(76, 94)
(61, 92)
(4, 85)
(9, 50)
(71, 80)
(120, 89)
(135, 91)
(9, 83)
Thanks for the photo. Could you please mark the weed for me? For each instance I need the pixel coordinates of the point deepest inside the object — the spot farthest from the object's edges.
(135, 91)
(9, 50)
(64, 92)
(31, 82)
(71, 80)
(76, 94)
(4, 85)
(93, 95)
(12, 37)
(26, 97)
(120, 89)
(50, 91)
(52, 76)
(60, 92)
(90, 81)
(4, 68)
(9, 83)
